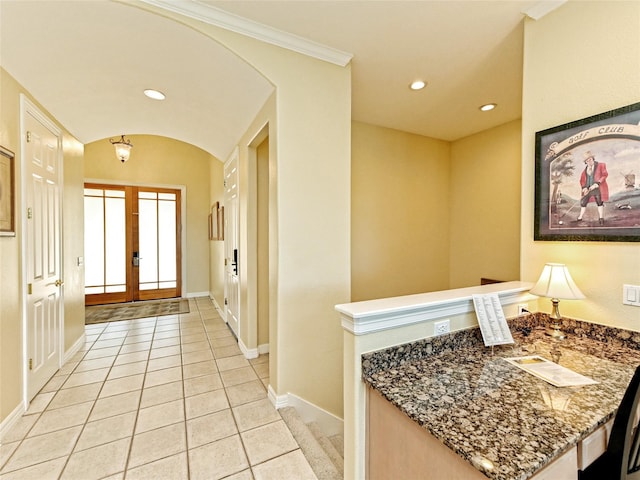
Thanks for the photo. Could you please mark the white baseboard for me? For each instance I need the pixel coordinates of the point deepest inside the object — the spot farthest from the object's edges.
(250, 353)
(278, 401)
(216, 305)
(11, 419)
(75, 348)
(328, 422)
(196, 294)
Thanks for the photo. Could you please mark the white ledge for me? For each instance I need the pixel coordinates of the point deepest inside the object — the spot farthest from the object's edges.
(361, 318)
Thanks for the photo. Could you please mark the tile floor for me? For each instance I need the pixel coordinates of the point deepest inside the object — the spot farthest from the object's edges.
(167, 397)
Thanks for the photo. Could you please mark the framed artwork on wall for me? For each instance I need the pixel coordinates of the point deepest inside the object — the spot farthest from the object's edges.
(7, 193)
(587, 179)
(213, 222)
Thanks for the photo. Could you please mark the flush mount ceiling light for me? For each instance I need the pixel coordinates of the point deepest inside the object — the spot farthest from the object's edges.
(155, 94)
(488, 107)
(417, 85)
(123, 148)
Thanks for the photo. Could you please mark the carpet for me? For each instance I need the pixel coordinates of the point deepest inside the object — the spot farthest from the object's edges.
(130, 311)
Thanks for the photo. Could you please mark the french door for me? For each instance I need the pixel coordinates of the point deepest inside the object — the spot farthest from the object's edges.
(132, 243)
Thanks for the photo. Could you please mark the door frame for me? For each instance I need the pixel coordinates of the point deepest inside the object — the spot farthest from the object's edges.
(183, 215)
(29, 108)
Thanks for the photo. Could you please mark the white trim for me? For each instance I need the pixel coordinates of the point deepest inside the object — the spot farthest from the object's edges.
(75, 348)
(278, 401)
(216, 305)
(328, 422)
(263, 349)
(220, 18)
(248, 353)
(196, 294)
(362, 318)
(11, 419)
(540, 9)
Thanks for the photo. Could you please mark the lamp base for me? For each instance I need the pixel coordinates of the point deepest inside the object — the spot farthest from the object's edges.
(555, 332)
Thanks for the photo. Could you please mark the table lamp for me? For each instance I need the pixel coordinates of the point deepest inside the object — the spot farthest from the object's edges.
(556, 283)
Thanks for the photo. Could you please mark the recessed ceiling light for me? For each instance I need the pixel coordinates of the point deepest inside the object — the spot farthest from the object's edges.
(155, 94)
(417, 85)
(488, 106)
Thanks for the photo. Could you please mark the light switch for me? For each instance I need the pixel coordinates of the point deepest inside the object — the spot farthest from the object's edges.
(631, 295)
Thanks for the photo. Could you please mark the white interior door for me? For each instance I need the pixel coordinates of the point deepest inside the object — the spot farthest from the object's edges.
(231, 244)
(42, 162)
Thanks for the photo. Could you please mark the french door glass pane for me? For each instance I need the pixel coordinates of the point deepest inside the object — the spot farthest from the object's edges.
(157, 240)
(93, 243)
(105, 241)
(148, 239)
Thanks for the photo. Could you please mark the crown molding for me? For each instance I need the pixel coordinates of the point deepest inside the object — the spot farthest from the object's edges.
(540, 9)
(234, 23)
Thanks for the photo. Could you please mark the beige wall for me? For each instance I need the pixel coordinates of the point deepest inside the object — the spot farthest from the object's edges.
(309, 145)
(431, 215)
(400, 213)
(577, 64)
(163, 161)
(11, 311)
(216, 248)
(485, 206)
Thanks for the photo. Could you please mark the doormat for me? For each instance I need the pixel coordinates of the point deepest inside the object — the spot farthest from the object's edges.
(131, 311)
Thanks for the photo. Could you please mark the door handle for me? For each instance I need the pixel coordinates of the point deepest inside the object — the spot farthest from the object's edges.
(235, 261)
(136, 259)
(57, 283)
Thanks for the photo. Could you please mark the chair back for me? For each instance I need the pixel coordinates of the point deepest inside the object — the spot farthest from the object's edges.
(624, 442)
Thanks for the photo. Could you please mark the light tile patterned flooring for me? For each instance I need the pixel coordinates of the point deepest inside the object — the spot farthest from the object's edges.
(167, 397)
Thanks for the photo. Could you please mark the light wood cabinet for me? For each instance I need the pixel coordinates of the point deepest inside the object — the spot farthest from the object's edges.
(397, 447)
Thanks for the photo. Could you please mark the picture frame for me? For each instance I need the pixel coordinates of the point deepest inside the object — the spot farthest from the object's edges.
(7, 193)
(214, 222)
(585, 185)
(220, 218)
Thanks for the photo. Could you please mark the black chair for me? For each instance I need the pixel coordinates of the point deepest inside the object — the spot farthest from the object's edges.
(621, 460)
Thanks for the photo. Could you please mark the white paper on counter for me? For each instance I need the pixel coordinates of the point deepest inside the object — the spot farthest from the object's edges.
(550, 372)
(493, 323)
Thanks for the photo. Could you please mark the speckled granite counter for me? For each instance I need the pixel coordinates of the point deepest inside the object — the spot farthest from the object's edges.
(484, 408)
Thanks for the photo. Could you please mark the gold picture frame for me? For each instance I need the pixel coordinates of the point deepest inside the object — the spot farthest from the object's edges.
(7, 193)
(216, 222)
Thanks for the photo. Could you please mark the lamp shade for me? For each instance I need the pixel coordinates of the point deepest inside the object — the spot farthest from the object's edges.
(556, 282)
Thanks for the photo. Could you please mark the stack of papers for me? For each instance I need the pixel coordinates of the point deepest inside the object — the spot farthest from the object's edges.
(493, 323)
(550, 372)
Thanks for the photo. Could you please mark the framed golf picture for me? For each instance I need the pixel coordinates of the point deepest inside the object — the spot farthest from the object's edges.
(587, 179)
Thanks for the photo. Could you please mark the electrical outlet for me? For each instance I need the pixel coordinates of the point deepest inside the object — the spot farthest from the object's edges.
(441, 327)
(523, 308)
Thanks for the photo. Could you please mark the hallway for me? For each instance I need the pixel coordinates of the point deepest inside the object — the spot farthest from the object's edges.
(168, 397)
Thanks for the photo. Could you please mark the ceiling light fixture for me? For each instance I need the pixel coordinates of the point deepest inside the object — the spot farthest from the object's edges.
(123, 148)
(155, 94)
(488, 107)
(418, 85)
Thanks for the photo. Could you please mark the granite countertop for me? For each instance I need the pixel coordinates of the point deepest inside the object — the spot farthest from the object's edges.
(503, 420)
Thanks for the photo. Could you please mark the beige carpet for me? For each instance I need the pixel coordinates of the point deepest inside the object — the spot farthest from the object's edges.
(130, 311)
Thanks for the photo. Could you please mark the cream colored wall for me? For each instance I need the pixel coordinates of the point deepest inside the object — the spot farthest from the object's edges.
(310, 261)
(400, 213)
(216, 248)
(163, 161)
(262, 181)
(11, 312)
(580, 60)
(485, 206)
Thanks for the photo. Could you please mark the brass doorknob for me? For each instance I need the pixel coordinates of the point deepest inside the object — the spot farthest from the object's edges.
(59, 283)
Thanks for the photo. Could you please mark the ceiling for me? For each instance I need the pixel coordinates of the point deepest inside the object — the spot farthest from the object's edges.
(87, 63)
